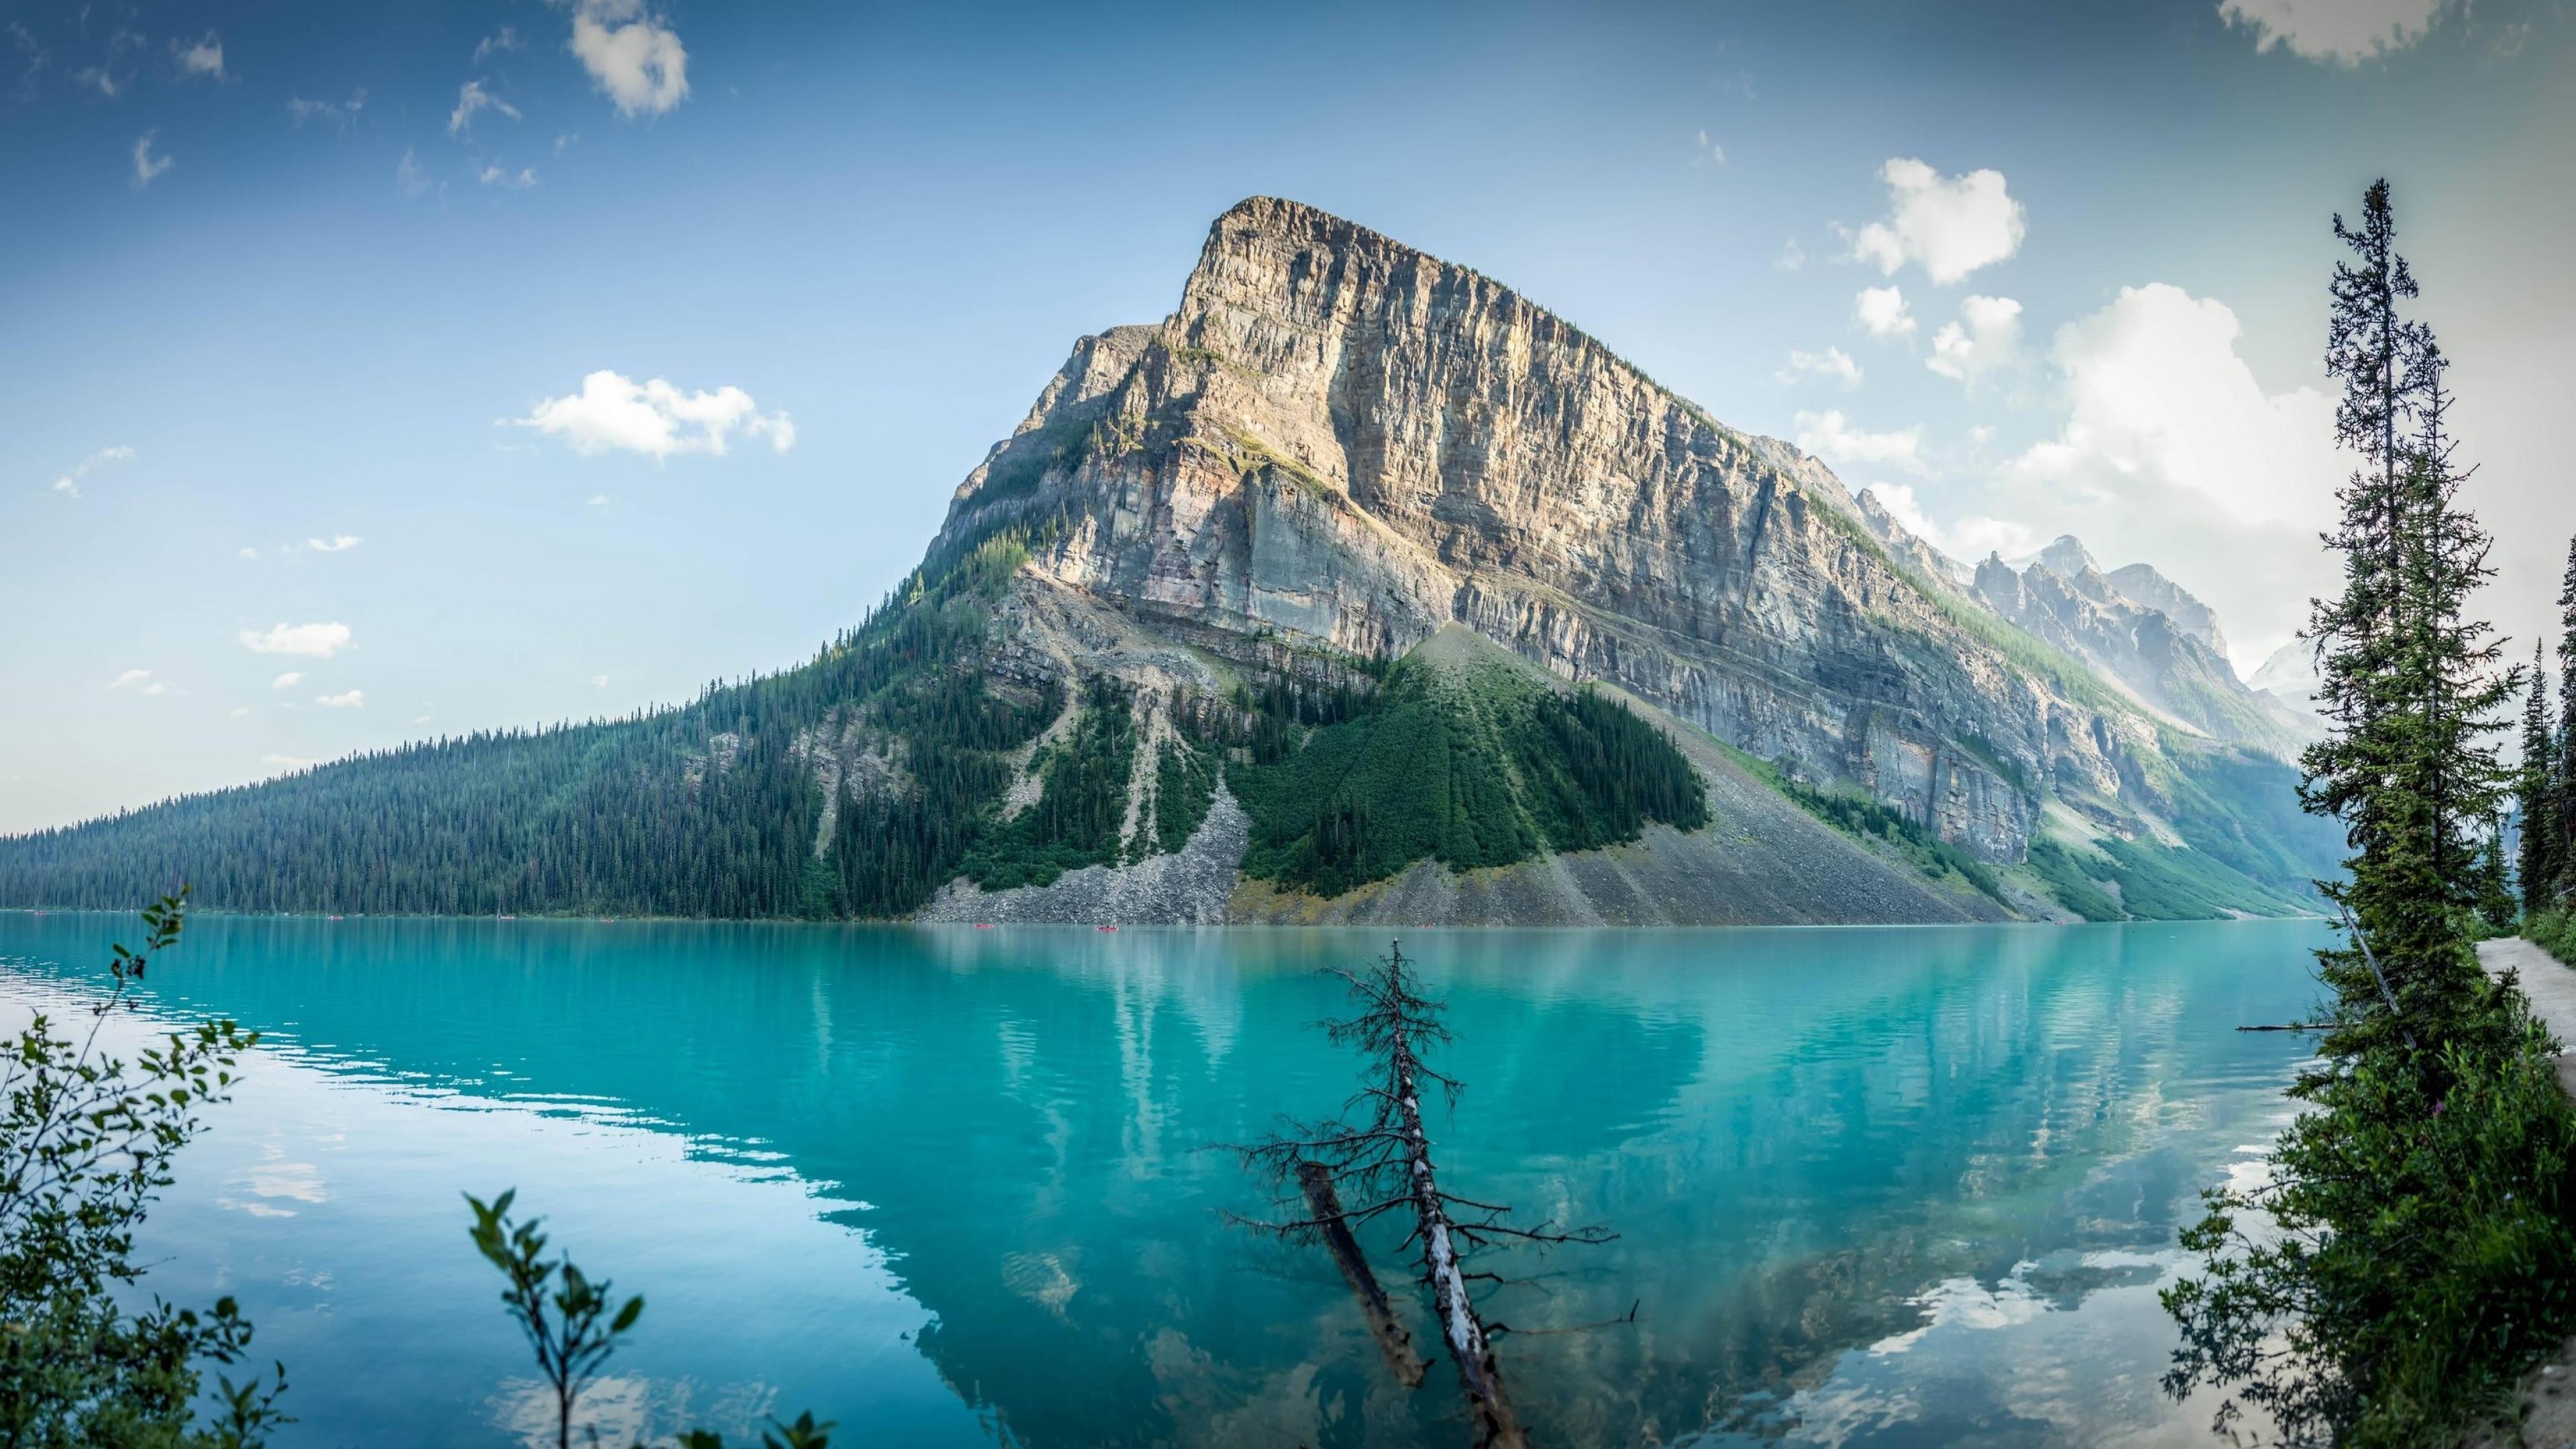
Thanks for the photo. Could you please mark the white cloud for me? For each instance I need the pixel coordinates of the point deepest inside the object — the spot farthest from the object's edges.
(599, 681)
(1792, 256)
(288, 763)
(613, 411)
(135, 679)
(408, 176)
(491, 45)
(519, 180)
(1833, 362)
(633, 57)
(336, 113)
(599, 500)
(98, 75)
(420, 719)
(1711, 150)
(1950, 226)
(1987, 336)
(470, 98)
(250, 553)
(204, 57)
(354, 699)
(1971, 538)
(147, 165)
(69, 484)
(287, 681)
(238, 711)
(318, 641)
(1881, 312)
(335, 544)
(1829, 435)
(2172, 452)
(2346, 32)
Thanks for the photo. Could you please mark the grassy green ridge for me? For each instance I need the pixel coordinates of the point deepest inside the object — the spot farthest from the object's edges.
(1472, 767)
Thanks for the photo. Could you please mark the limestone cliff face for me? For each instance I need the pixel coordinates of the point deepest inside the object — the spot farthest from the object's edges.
(1340, 440)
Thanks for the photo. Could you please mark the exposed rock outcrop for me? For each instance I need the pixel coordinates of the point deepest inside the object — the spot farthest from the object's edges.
(1339, 439)
(2175, 669)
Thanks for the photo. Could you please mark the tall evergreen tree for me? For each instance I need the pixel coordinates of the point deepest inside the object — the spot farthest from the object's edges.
(2414, 1206)
(2383, 654)
(2539, 862)
(2565, 782)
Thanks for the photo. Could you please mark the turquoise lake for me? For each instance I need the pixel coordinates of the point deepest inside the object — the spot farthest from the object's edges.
(1903, 1186)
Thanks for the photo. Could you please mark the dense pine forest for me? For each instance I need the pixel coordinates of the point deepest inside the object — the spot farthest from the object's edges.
(857, 784)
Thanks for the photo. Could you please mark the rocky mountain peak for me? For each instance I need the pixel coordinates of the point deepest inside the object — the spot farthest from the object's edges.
(2066, 558)
(2142, 583)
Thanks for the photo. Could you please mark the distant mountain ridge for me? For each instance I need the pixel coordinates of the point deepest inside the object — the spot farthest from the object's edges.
(1317, 564)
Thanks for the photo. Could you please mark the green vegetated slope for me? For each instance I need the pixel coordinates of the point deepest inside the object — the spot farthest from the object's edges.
(710, 809)
(1466, 757)
(720, 809)
(2244, 846)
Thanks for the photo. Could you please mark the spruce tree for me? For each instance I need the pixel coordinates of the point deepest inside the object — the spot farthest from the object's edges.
(2539, 863)
(2564, 783)
(2420, 1211)
(2381, 652)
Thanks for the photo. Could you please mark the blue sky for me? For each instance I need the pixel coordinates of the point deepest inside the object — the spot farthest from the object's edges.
(302, 299)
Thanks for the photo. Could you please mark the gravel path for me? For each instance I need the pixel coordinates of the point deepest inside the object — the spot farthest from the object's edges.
(2550, 985)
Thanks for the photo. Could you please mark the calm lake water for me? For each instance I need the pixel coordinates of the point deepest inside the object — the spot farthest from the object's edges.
(953, 1187)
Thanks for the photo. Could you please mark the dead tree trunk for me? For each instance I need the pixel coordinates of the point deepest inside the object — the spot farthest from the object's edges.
(1381, 1152)
(1393, 1340)
(1480, 1378)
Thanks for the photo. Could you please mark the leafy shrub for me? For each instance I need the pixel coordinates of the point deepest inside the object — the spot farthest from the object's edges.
(2426, 1246)
(2553, 932)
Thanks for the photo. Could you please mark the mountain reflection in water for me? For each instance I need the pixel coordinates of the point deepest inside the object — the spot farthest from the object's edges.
(950, 1186)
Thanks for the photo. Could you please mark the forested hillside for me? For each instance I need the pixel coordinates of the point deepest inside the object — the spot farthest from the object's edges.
(855, 785)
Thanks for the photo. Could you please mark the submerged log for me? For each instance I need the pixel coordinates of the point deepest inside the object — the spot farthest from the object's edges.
(1393, 1340)
(1480, 1378)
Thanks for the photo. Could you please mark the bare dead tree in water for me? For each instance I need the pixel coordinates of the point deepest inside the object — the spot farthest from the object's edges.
(1379, 1154)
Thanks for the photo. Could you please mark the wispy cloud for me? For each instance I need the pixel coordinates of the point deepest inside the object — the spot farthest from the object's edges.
(287, 680)
(503, 176)
(635, 58)
(289, 763)
(140, 681)
(506, 39)
(471, 98)
(1832, 363)
(339, 113)
(335, 544)
(146, 165)
(1830, 435)
(199, 57)
(69, 484)
(35, 55)
(353, 699)
(320, 641)
(613, 412)
(408, 175)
